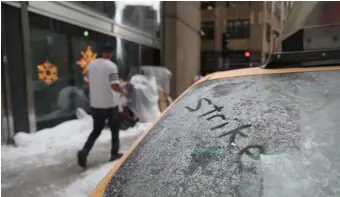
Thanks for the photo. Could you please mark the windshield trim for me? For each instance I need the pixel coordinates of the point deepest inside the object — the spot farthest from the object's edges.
(264, 71)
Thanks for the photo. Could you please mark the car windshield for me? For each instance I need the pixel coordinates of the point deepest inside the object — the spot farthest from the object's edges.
(267, 135)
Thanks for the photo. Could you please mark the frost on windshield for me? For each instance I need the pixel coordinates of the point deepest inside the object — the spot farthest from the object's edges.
(242, 137)
(315, 170)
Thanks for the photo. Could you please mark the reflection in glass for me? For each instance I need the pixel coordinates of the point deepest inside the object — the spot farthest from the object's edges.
(143, 15)
(108, 8)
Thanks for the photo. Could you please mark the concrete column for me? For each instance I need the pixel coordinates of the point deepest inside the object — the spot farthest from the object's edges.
(181, 42)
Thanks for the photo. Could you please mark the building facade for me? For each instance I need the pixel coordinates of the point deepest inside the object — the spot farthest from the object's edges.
(252, 28)
(46, 47)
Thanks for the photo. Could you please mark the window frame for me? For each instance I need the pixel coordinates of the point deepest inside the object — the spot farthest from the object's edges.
(239, 28)
(208, 28)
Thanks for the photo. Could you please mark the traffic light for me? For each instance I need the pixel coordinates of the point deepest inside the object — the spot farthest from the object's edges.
(247, 56)
(225, 42)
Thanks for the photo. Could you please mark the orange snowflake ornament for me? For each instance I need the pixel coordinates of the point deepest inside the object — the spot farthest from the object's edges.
(86, 57)
(47, 72)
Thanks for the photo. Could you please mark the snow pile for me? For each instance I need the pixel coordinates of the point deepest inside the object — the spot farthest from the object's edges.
(23, 139)
(84, 185)
(54, 148)
(63, 137)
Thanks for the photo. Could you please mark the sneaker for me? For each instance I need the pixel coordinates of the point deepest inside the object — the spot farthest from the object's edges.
(82, 159)
(116, 156)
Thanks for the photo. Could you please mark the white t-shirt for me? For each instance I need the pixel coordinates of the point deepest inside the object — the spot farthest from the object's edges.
(102, 73)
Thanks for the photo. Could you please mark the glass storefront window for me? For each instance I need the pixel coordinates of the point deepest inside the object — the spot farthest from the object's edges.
(127, 58)
(107, 8)
(208, 30)
(150, 56)
(50, 74)
(143, 15)
(60, 55)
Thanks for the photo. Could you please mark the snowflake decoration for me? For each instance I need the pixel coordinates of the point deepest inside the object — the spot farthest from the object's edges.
(87, 56)
(47, 72)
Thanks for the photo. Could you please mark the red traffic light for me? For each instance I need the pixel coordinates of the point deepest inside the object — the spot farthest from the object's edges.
(247, 54)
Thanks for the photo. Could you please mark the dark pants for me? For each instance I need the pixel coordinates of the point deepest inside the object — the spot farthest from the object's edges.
(99, 118)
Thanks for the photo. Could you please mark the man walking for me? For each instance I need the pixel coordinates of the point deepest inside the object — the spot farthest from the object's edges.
(103, 80)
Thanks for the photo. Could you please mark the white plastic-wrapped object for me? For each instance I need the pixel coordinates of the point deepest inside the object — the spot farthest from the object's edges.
(122, 100)
(162, 74)
(143, 98)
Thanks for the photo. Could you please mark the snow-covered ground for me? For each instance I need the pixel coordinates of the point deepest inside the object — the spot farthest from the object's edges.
(44, 163)
(84, 185)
